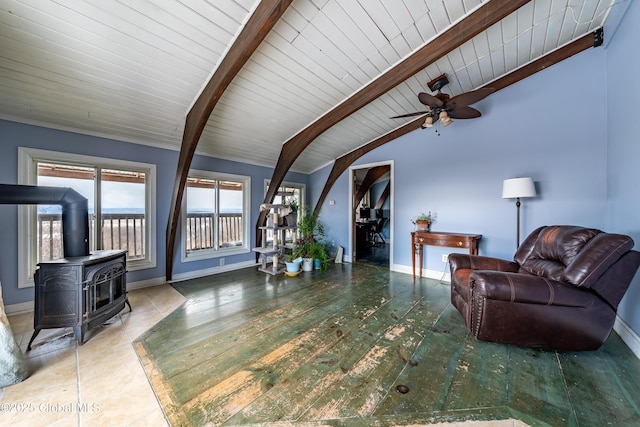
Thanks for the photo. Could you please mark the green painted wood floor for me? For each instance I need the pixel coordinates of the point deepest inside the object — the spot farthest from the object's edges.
(334, 347)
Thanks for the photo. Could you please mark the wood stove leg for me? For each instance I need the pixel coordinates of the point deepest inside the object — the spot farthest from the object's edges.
(80, 331)
(127, 301)
(36, 332)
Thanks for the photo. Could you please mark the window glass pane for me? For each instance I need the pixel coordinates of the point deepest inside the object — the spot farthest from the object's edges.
(201, 208)
(123, 211)
(231, 214)
(49, 220)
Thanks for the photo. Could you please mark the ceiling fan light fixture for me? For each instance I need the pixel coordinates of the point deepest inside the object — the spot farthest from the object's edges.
(428, 123)
(444, 118)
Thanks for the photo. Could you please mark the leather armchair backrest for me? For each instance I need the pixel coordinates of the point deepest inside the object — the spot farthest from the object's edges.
(572, 254)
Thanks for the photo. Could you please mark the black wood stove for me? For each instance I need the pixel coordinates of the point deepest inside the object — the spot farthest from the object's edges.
(80, 292)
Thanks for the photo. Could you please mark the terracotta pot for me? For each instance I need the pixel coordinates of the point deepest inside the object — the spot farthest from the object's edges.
(423, 225)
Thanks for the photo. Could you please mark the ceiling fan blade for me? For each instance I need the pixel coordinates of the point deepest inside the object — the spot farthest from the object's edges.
(469, 98)
(417, 113)
(464, 113)
(429, 100)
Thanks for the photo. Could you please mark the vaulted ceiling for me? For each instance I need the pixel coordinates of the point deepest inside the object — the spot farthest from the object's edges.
(132, 69)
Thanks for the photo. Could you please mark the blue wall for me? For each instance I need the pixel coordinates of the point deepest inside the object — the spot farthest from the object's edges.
(623, 190)
(540, 127)
(14, 135)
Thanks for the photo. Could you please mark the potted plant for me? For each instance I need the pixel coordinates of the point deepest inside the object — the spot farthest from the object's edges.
(423, 221)
(310, 244)
(304, 251)
(292, 262)
(320, 255)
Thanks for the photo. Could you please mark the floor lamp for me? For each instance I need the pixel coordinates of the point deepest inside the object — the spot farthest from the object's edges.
(517, 188)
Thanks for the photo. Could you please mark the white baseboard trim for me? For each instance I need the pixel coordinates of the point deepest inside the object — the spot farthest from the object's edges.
(141, 284)
(628, 335)
(21, 307)
(213, 270)
(429, 274)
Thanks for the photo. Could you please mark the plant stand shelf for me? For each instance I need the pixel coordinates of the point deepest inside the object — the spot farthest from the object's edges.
(283, 239)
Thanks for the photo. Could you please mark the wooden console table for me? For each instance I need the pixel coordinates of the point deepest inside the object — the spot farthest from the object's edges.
(450, 240)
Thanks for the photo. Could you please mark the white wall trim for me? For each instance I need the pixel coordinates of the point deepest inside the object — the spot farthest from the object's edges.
(427, 273)
(141, 284)
(19, 308)
(213, 270)
(628, 335)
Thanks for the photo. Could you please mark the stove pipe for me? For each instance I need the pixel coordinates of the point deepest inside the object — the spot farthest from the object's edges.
(75, 212)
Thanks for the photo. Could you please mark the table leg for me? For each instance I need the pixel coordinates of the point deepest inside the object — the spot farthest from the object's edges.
(419, 249)
(413, 259)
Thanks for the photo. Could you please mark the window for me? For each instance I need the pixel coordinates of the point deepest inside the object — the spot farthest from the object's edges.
(119, 194)
(215, 215)
(288, 193)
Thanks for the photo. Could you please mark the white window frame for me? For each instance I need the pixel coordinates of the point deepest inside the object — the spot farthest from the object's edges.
(246, 208)
(27, 175)
(302, 187)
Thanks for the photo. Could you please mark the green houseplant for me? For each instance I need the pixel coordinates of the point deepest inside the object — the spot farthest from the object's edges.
(311, 245)
(423, 221)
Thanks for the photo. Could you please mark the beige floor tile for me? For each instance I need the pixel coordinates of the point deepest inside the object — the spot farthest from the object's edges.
(42, 416)
(140, 302)
(133, 400)
(154, 418)
(104, 375)
(137, 323)
(101, 383)
(105, 337)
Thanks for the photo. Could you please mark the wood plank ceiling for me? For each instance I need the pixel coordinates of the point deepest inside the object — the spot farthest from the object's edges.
(131, 69)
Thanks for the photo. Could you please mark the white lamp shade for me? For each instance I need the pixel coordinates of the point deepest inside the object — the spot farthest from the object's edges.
(518, 187)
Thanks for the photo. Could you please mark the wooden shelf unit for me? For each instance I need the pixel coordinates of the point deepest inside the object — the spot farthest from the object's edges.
(284, 240)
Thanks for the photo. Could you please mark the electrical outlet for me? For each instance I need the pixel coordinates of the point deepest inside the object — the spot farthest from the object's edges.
(445, 257)
(221, 261)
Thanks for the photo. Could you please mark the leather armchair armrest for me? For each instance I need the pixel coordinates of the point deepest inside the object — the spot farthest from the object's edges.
(476, 262)
(527, 288)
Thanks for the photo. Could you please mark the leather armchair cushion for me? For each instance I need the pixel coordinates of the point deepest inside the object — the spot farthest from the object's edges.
(575, 255)
(527, 288)
(458, 261)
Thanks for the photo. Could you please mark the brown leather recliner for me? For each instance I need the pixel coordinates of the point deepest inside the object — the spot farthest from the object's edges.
(561, 292)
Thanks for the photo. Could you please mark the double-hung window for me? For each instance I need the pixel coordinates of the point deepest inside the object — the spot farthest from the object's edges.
(215, 215)
(121, 200)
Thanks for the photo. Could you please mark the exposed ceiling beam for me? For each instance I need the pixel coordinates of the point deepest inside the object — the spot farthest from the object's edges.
(264, 17)
(372, 176)
(341, 164)
(478, 21)
(384, 196)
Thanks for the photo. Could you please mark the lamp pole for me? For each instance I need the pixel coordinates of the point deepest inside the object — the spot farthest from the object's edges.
(518, 222)
(516, 188)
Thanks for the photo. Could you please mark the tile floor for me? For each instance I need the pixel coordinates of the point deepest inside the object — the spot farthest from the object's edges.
(67, 387)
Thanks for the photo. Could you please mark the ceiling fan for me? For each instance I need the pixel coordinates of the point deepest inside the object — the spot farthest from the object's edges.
(443, 108)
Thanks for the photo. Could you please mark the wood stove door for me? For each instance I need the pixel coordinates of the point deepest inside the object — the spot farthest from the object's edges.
(104, 285)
